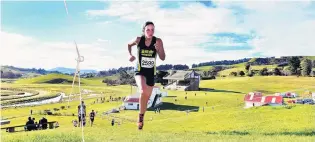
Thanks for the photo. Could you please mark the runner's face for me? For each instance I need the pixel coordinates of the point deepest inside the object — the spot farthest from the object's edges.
(149, 31)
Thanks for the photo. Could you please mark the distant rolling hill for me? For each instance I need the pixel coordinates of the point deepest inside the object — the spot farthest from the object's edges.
(16, 72)
(224, 67)
(58, 79)
(71, 70)
(256, 64)
(205, 66)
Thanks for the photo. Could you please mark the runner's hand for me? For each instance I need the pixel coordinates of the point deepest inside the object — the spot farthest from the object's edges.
(132, 58)
(157, 46)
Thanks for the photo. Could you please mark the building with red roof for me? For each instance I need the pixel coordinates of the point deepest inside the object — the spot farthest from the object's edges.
(132, 101)
(257, 99)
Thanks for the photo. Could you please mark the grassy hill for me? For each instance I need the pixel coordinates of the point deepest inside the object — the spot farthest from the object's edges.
(204, 68)
(71, 70)
(114, 76)
(223, 118)
(15, 70)
(256, 64)
(310, 57)
(242, 68)
(234, 68)
(58, 79)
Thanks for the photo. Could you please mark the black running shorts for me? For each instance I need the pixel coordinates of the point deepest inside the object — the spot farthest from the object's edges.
(149, 78)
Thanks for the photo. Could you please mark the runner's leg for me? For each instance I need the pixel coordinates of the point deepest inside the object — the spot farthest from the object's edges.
(144, 90)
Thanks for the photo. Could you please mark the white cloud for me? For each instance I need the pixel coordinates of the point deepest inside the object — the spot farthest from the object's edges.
(181, 30)
(282, 28)
(103, 40)
(193, 19)
(23, 51)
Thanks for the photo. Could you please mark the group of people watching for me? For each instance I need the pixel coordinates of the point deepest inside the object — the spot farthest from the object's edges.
(31, 124)
(82, 116)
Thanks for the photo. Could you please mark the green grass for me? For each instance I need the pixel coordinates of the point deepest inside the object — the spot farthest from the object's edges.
(239, 65)
(224, 118)
(310, 57)
(7, 93)
(49, 90)
(235, 68)
(10, 95)
(204, 68)
(252, 60)
(100, 79)
(207, 68)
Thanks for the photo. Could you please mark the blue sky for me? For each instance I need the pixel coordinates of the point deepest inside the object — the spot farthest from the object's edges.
(32, 18)
(200, 31)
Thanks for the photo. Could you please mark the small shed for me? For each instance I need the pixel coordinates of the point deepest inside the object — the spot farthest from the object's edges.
(132, 101)
(257, 99)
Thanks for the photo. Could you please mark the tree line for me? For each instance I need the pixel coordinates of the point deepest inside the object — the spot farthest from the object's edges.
(296, 65)
(292, 66)
(223, 62)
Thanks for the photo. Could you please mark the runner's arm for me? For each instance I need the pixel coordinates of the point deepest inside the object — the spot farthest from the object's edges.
(132, 43)
(160, 50)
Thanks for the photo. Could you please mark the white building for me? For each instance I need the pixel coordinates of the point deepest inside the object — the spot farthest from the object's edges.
(132, 102)
(183, 80)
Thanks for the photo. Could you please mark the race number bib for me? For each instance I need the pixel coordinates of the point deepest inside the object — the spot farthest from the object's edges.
(147, 62)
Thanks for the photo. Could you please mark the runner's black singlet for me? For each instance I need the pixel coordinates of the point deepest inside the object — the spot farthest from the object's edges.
(146, 60)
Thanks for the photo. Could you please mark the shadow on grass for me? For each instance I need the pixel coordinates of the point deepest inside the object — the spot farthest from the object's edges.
(59, 81)
(230, 133)
(266, 91)
(223, 91)
(298, 133)
(170, 96)
(172, 106)
(242, 133)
